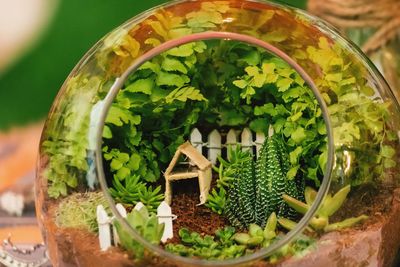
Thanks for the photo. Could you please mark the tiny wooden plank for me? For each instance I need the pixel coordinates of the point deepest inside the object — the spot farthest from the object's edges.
(104, 228)
(214, 146)
(247, 140)
(260, 139)
(205, 178)
(168, 192)
(182, 175)
(196, 140)
(164, 214)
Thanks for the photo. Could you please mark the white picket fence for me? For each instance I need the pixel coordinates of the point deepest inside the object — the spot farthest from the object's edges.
(214, 145)
(105, 223)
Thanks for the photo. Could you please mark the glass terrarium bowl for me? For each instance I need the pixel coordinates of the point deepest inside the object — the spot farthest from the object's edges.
(277, 118)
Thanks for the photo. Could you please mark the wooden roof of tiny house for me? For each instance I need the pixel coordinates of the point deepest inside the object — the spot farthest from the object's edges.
(193, 154)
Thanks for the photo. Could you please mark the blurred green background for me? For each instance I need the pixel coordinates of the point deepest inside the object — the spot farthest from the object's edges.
(28, 88)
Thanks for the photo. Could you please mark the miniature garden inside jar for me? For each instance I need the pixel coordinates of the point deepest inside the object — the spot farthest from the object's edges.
(212, 149)
(235, 115)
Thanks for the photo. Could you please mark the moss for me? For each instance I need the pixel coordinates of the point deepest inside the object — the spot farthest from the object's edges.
(79, 210)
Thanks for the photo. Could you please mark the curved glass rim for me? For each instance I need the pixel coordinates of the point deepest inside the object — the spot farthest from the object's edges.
(119, 82)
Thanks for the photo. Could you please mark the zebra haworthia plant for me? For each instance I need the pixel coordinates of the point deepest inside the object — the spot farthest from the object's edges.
(256, 190)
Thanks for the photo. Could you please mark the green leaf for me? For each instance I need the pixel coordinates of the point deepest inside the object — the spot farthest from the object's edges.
(389, 163)
(241, 83)
(185, 93)
(387, 151)
(171, 79)
(107, 132)
(284, 84)
(119, 116)
(144, 86)
(292, 172)
(232, 118)
(294, 156)
(122, 173)
(116, 164)
(260, 125)
(298, 135)
(266, 109)
(172, 64)
(185, 50)
(134, 162)
(251, 57)
(367, 91)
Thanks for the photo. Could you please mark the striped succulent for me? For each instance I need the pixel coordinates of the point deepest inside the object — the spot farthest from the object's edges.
(256, 191)
(241, 195)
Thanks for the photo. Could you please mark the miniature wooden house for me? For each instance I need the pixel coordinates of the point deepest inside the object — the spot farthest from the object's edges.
(199, 168)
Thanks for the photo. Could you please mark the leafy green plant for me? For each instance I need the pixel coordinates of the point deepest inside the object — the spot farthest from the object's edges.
(216, 200)
(131, 190)
(79, 211)
(329, 206)
(65, 142)
(146, 224)
(227, 244)
(221, 246)
(171, 93)
(359, 119)
(257, 237)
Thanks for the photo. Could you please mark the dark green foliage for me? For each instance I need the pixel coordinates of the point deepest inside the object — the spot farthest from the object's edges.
(171, 93)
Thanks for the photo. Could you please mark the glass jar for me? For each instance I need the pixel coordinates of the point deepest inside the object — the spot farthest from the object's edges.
(222, 68)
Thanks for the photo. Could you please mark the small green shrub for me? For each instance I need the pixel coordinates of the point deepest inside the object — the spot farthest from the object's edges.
(79, 210)
(146, 224)
(132, 190)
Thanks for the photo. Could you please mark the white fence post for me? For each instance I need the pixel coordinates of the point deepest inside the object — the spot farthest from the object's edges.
(164, 214)
(104, 228)
(247, 140)
(214, 146)
(122, 211)
(231, 140)
(196, 140)
(260, 138)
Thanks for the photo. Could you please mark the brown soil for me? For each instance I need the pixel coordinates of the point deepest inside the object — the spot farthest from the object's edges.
(367, 200)
(76, 247)
(191, 216)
